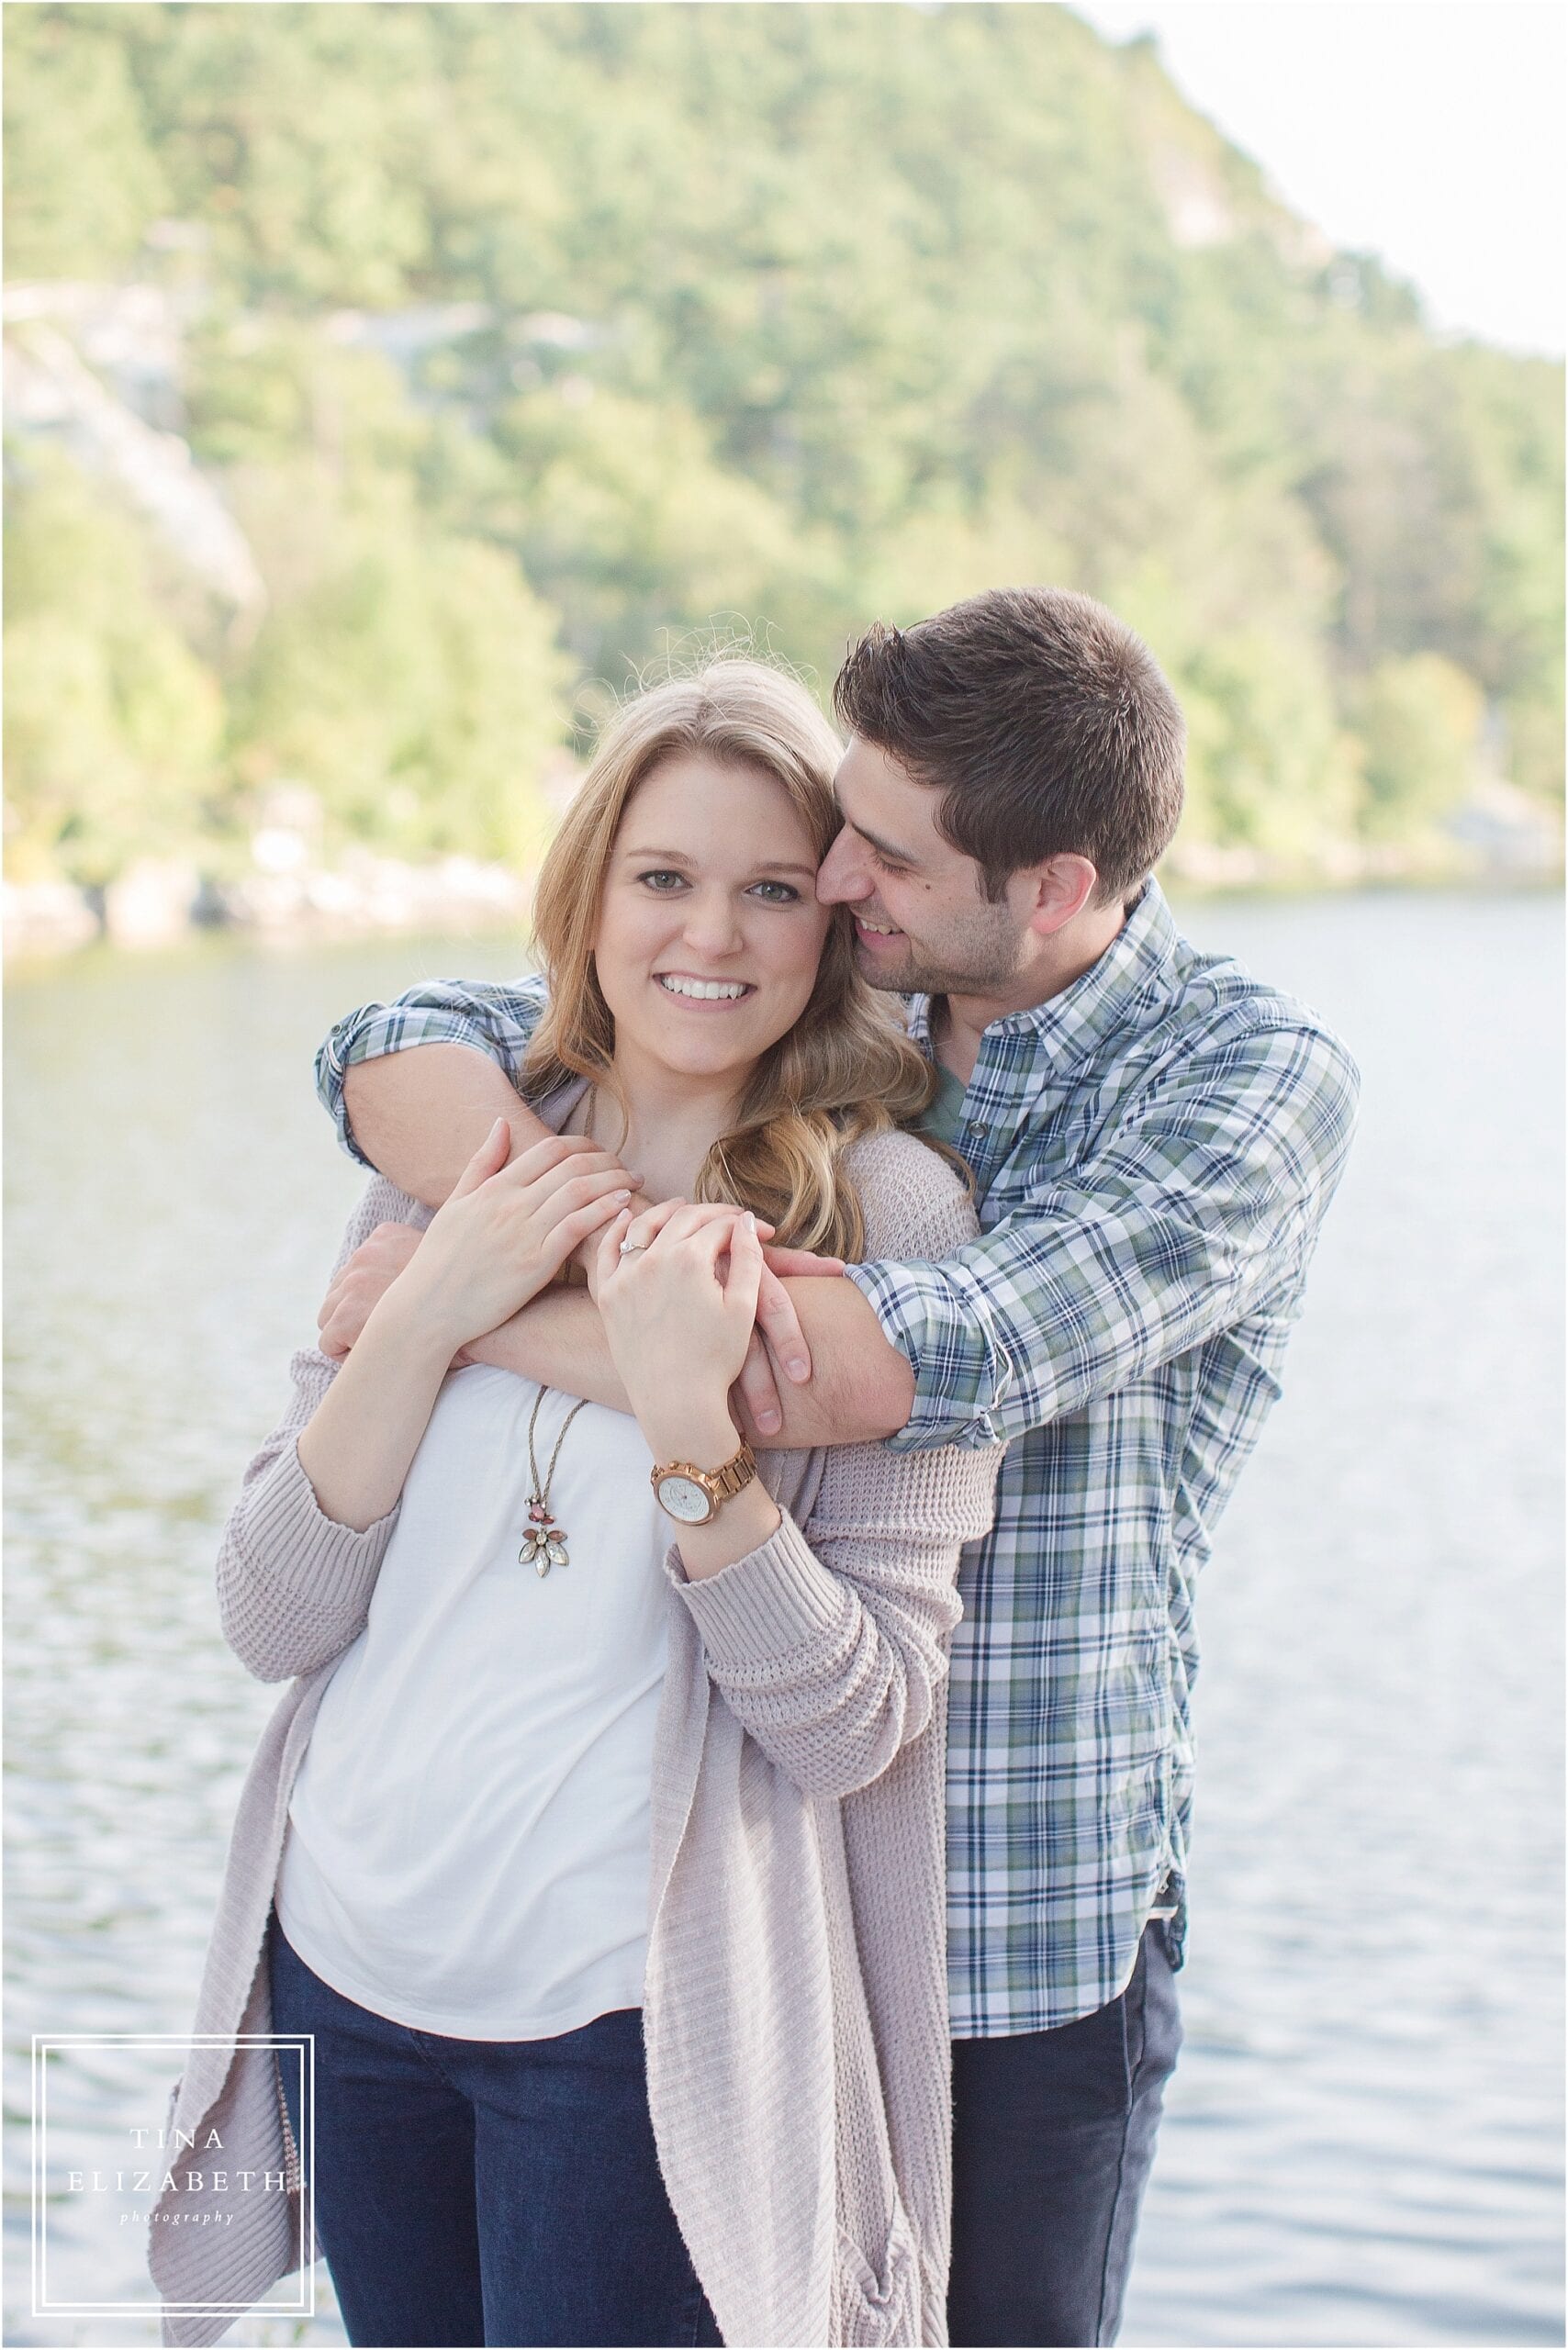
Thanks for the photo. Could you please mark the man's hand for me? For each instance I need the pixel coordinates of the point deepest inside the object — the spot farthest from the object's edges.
(777, 1343)
(365, 1280)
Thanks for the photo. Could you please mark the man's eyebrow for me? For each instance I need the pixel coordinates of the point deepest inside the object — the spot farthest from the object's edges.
(763, 865)
(883, 849)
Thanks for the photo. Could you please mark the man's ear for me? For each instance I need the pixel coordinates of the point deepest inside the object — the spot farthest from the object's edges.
(1057, 891)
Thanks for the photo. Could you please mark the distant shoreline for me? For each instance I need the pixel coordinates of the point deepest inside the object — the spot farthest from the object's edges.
(165, 903)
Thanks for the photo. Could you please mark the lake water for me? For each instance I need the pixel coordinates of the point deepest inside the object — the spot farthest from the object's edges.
(1362, 2143)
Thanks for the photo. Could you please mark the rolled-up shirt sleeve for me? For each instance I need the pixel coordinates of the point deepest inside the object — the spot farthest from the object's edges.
(488, 1017)
(1204, 1196)
(939, 1317)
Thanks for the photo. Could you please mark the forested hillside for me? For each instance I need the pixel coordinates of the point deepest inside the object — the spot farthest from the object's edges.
(512, 343)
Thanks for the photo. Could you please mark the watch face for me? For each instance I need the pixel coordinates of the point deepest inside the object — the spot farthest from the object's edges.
(686, 1500)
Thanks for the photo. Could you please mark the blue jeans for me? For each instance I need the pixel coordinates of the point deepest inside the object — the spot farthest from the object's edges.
(1053, 2137)
(484, 2191)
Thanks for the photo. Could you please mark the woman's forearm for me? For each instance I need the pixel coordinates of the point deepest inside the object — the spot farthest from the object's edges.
(741, 1526)
(358, 1445)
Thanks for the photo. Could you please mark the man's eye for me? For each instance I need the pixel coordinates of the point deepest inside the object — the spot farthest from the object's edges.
(781, 894)
(659, 881)
(885, 864)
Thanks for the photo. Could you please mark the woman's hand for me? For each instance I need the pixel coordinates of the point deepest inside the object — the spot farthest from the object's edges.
(504, 1233)
(678, 1307)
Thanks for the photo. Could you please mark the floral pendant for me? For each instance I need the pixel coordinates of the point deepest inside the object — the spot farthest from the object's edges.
(544, 1543)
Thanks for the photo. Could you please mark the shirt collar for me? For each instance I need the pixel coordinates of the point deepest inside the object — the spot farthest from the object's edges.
(1136, 965)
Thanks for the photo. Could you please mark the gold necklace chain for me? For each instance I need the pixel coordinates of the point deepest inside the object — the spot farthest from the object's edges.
(544, 1542)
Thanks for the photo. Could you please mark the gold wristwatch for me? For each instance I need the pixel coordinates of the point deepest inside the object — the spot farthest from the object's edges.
(694, 1497)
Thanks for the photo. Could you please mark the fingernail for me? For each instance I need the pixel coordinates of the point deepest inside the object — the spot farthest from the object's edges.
(768, 1422)
(798, 1367)
(750, 1220)
(620, 1195)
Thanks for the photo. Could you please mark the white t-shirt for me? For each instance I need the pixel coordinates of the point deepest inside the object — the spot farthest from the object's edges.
(467, 1850)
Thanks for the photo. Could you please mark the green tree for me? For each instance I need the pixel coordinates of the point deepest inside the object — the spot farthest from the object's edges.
(631, 528)
(415, 684)
(798, 316)
(1420, 726)
(82, 180)
(1269, 765)
(112, 725)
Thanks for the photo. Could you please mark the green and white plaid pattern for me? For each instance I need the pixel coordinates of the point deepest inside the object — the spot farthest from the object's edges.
(1153, 1150)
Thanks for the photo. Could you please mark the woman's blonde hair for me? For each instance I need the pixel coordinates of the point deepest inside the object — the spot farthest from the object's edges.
(846, 1069)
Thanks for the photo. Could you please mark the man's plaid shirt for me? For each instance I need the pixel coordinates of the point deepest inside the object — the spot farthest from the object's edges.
(1153, 1151)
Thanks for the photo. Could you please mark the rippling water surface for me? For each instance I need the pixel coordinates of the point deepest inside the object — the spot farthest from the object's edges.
(1363, 2138)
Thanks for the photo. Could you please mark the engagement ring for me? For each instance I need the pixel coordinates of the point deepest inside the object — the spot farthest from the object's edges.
(629, 1248)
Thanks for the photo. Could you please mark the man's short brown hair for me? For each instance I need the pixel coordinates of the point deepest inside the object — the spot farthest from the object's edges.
(1047, 725)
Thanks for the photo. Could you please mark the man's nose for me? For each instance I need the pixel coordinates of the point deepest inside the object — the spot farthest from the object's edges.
(842, 878)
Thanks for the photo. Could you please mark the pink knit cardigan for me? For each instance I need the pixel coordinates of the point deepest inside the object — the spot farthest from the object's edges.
(795, 2000)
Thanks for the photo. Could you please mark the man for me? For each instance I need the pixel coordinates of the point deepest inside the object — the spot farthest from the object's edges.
(1154, 1137)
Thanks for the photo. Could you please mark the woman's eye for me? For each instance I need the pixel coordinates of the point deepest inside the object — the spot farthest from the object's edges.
(779, 893)
(661, 881)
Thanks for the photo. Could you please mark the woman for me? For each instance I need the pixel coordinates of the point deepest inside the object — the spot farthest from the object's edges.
(604, 1821)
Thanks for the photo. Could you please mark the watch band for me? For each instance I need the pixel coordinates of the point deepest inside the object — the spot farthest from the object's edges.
(721, 1484)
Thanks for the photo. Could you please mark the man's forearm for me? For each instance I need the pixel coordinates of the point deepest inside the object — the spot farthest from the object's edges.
(559, 1340)
(861, 1387)
(419, 1115)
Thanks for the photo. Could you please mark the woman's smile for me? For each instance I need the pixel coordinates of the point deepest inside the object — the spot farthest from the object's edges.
(693, 992)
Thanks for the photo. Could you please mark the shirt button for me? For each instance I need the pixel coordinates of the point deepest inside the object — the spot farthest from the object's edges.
(977, 1127)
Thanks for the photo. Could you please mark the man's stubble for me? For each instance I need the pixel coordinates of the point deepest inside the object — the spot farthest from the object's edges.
(982, 957)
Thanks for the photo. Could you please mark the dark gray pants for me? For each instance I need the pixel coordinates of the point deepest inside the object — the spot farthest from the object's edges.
(1053, 2136)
